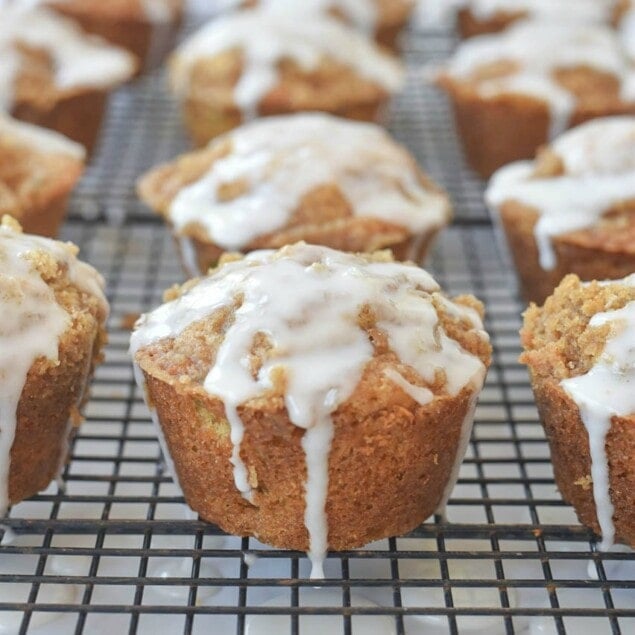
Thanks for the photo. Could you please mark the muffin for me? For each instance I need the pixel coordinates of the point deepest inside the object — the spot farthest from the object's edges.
(52, 314)
(625, 21)
(38, 170)
(477, 17)
(514, 91)
(313, 398)
(54, 75)
(146, 28)
(257, 62)
(579, 349)
(572, 210)
(383, 19)
(310, 177)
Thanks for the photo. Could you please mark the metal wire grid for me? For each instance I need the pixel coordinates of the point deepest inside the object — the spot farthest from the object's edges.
(118, 552)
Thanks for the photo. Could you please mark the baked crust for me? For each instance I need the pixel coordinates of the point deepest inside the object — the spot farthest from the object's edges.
(557, 346)
(54, 391)
(500, 129)
(390, 461)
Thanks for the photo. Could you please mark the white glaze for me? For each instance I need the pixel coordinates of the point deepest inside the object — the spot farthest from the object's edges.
(420, 394)
(314, 327)
(538, 49)
(599, 162)
(40, 139)
(627, 31)
(267, 37)
(362, 14)
(79, 60)
(281, 159)
(604, 392)
(31, 325)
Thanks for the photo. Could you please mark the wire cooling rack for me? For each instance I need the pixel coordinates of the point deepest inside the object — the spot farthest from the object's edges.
(118, 551)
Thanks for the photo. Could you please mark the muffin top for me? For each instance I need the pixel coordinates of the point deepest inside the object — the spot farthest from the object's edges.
(262, 177)
(365, 15)
(583, 339)
(303, 323)
(44, 56)
(34, 164)
(585, 179)
(252, 50)
(570, 66)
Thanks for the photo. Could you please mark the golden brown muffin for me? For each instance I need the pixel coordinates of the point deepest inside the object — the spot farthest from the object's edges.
(54, 75)
(514, 91)
(38, 170)
(146, 28)
(311, 398)
(478, 17)
(572, 210)
(309, 177)
(579, 349)
(257, 63)
(52, 315)
(383, 19)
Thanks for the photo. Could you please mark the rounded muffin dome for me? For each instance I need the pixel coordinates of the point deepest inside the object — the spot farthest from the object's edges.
(302, 391)
(312, 177)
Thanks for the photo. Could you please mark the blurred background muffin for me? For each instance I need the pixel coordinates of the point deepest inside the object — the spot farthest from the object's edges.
(38, 170)
(516, 90)
(572, 210)
(255, 62)
(146, 28)
(54, 75)
(308, 177)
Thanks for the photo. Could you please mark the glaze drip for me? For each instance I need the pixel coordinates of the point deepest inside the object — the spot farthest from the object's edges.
(278, 160)
(315, 327)
(604, 392)
(599, 174)
(537, 49)
(266, 38)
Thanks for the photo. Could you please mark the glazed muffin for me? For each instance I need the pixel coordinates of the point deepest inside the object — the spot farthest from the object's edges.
(52, 315)
(312, 398)
(625, 20)
(146, 28)
(257, 62)
(579, 349)
(383, 19)
(54, 75)
(514, 91)
(477, 17)
(38, 170)
(309, 177)
(572, 210)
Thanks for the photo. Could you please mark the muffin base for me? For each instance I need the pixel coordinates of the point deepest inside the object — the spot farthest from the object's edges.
(605, 262)
(353, 235)
(205, 121)
(413, 447)
(77, 116)
(50, 397)
(499, 130)
(569, 444)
